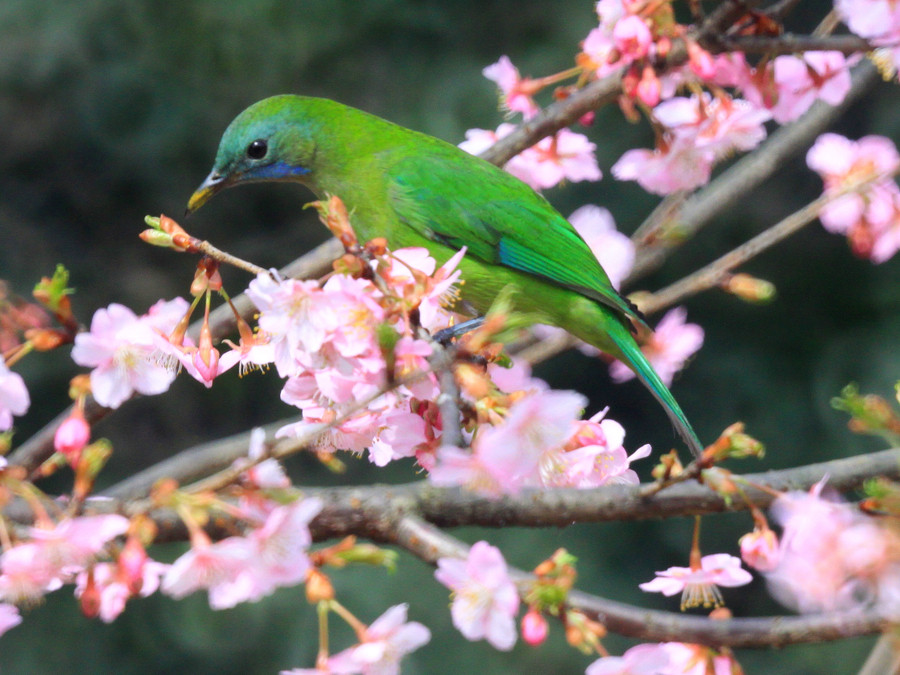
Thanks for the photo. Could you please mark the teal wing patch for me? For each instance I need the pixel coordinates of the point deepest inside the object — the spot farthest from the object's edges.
(463, 201)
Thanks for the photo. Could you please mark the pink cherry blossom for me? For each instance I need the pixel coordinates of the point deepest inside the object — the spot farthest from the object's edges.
(267, 474)
(281, 544)
(673, 342)
(26, 574)
(521, 451)
(700, 586)
(120, 348)
(564, 156)
(114, 592)
(215, 567)
(245, 569)
(534, 627)
(621, 38)
(871, 19)
(516, 95)
(54, 553)
(870, 216)
(632, 38)
(647, 659)
(285, 317)
(9, 617)
(454, 467)
(831, 556)
(689, 659)
(594, 455)
(433, 312)
(485, 601)
(800, 81)
(677, 166)
(74, 542)
(614, 250)
(14, 398)
(517, 377)
(718, 125)
(71, 436)
(599, 49)
(759, 549)
(388, 639)
(699, 131)
(479, 140)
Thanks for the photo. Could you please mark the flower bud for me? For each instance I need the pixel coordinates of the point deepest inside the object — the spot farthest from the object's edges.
(71, 436)
(750, 288)
(534, 627)
(90, 597)
(759, 549)
(318, 586)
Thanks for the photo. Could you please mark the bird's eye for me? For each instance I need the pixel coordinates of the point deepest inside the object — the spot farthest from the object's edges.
(257, 149)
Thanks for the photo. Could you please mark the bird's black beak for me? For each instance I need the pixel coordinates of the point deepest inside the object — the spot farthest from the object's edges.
(214, 183)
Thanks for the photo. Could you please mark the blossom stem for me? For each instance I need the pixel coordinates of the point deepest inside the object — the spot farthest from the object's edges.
(695, 545)
(358, 626)
(17, 353)
(322, 658)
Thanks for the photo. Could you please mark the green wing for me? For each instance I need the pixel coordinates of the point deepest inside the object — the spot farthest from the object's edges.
(464, 201)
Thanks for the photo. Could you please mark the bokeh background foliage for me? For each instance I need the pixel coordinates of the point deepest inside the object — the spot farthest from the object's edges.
(110, 110)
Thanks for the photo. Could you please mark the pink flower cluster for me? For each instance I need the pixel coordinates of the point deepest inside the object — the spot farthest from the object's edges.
(831, 557)
(869, 217)
(564, 156)
(631, 35)
(698, 132)
(325, 341)
(541, 442)
(666, 658)
(247, 568)
(54, 554)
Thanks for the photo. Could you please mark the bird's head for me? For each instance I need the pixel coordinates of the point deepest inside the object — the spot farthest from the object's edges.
(272, 140)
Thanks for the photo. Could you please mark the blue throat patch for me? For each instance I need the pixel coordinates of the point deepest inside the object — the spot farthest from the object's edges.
(277, 170)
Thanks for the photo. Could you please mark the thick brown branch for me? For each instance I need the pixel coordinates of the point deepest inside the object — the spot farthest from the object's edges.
(347, 509)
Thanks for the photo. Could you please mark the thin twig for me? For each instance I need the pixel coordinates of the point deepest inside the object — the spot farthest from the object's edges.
(718, 271)
(793, 44)
(206, 248)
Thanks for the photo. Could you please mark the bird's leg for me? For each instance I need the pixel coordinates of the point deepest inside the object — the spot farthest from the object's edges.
(445, 336)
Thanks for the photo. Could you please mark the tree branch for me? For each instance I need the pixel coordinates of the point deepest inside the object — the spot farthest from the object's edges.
(718, 271)
(429, 543)
(793, 44)
(349, 508)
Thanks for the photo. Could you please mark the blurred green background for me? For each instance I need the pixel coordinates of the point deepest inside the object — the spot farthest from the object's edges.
(112, 110)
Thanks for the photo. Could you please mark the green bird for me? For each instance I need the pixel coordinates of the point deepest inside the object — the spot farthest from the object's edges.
(416, 190)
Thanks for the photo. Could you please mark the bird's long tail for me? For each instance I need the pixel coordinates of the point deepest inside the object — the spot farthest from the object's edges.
(634, 358)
